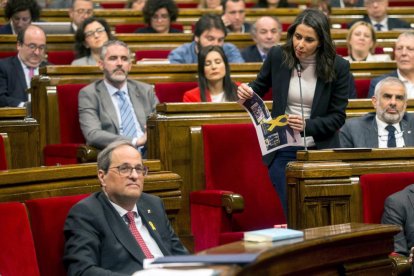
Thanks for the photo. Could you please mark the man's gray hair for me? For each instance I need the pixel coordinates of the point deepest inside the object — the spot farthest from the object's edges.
(113, 42)
(253, 29)
(74, 1)
(389, 80)
(105, 156)
(406, 34)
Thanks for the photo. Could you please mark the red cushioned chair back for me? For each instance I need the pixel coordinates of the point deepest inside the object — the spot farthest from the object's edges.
(47, 218)
(17, 254)
(132, 27)
(406, 3)
(173, 92)
(375, 188)
(362, 87)
(112, 5)
(140, 54)
(233, 162)
(61, 57)
(67, 95)
(5, 54)
(343, 51)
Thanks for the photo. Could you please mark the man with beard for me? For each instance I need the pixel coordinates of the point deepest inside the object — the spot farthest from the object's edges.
(390, 126)
(266, 32)
(404, 57)
(115, 108)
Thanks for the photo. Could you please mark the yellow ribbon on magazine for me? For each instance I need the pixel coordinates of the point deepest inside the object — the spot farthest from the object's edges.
(278, 121)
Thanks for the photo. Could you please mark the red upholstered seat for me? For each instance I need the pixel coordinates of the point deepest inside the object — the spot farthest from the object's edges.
(112, 5)
(140, 54)
(172, 92)
(5, 54)
(17, 254)
(132, 27)
(184, 5)
(362, 87)
(232, 164)
(376, 188)
(60, 57)
(70, 133)
(47, 218)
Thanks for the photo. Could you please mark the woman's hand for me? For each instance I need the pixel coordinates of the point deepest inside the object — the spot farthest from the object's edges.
(296, 122)
(244, 91)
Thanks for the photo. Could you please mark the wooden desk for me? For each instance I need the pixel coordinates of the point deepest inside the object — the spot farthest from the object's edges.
(343, 249)
(323, 186)
(23, 133)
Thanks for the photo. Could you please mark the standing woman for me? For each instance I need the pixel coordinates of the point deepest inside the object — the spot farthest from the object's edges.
(324, 80)
(214, 82)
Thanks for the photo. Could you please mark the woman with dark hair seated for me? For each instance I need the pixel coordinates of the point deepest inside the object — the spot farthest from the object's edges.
(20, 13)
(159, 14)
(272, 4)
(89, 38)
(214, 82)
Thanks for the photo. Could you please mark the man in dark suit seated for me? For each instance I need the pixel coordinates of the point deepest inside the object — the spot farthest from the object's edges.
(79, 10)
(16, 72)
(114, 230)
(404, 57)
(234, 12)
(266, 33)
(20, 13)
(377, 16)
(390, 126)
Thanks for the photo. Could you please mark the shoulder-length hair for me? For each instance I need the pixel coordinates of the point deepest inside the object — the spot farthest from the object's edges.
(325, 53)
(152, 6)
(230, 88)
(351, 31)
(80, 48)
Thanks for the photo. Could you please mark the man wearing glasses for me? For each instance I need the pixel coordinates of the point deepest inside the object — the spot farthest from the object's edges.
(389, 127)
(79, 10)
(114, 230)
(16, 72)
(20, 13)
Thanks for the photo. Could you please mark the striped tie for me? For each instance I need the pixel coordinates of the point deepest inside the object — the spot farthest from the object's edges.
(128, 127)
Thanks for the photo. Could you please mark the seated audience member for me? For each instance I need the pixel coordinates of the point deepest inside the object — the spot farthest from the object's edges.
(209, 30)
(159, 14)
(79, 11)
(115, 108)
(361, 41)
(377, 16)
(112, 231)
(347, 3)
(389, 126)
(89, 39)
(233, 17)
(272, 4)
(266, 33)
(135, 4)
(210, 4)
(398, 210)
(323, 5)
(3, 3)
(404, 57)
(214, 82)
(20, 14)
(16, 72)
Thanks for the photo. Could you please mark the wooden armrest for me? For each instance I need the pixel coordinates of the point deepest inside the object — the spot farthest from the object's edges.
(232, 203)
(86, 154)
(401, 264)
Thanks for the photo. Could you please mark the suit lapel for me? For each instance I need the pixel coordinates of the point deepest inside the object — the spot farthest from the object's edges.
(371, 134)
(20, 73)
(107, 103)
(318, 93)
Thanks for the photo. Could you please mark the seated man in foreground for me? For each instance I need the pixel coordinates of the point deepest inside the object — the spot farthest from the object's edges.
(390, 126)
(114, 230)
(115, 108)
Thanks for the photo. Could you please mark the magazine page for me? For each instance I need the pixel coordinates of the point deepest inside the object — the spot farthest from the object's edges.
(272, 133)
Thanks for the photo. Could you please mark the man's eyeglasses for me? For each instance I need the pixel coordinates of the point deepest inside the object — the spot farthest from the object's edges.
(126, 169)
(84, 11)
(92, 33)
(34, 47)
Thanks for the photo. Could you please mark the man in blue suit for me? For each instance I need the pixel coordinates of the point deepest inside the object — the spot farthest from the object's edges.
(16, 72)
(111, 232)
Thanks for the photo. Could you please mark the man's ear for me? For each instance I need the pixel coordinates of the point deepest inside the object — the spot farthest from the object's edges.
(101, 176)
(100, 64)
(374, 101)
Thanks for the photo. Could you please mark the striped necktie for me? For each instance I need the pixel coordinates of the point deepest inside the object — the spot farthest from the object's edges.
(128, 127)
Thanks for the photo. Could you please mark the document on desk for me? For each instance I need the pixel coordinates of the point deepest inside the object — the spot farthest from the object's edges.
(272, 234)
(177, 272)
(272, 133)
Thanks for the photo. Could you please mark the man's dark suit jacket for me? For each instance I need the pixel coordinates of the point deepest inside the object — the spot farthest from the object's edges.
(251, 54)
(6, 29)
(399, 210)
(393, 23)
(99, 242)
(247, 27)
(376, 80)
(12, 82)
(329, 102)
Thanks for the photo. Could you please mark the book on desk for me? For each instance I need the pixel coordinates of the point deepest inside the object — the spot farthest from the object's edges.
(272, 234)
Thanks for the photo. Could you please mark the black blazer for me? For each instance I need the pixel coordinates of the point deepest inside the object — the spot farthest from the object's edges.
(99, 242)
(6, 29)
(393, 23)
(150, 30)
(329, 102)
(251, 54)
